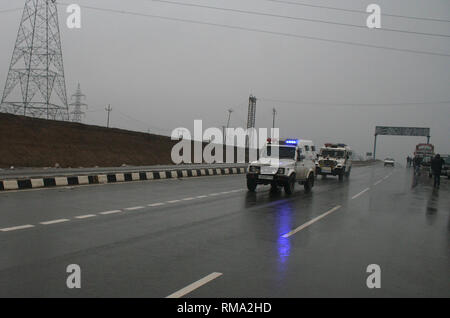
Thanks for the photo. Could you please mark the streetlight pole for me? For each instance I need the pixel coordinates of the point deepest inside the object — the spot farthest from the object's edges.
(108, 109)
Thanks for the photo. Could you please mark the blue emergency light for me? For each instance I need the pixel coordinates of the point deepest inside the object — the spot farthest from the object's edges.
(291, 141)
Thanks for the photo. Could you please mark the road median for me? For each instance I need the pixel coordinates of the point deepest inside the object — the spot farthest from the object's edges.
(75, 179)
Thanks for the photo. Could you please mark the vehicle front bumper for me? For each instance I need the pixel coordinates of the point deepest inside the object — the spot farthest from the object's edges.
(332, 171)
(277, 179)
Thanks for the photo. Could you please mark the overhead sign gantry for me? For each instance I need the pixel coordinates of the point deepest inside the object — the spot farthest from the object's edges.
(399, 131)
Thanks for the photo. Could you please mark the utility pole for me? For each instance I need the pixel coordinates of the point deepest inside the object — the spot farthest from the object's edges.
(274, 113)
(230, 110)
(35, 85)
(223, 133)
(229, 117)
(108, 109)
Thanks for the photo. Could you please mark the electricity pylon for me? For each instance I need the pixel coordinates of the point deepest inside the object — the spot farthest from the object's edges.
(251, 121)
(77, 113)
(35, 85)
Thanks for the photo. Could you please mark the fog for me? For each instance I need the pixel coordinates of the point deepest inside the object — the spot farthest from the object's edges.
(159, 74)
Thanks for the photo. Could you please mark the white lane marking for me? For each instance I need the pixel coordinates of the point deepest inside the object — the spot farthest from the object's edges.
(305, 225)
(156, 204)
(14, 228)
(54, 221)
(110, 212)
(379, 181)
(116, 211)
(85, 216)
(186, 290)
(358, 194)
(134, 208)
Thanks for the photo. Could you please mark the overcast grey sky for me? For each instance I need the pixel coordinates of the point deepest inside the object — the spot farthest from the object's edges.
(165, 74)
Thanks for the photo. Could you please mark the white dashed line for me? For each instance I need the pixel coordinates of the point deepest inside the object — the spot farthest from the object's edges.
(186, 290)
(116, 211)
(134, 208)
(85, 216)
(378, 182)
(54, 221)
(15, 228)
(362, 192)
(305, 225)
(110, 212)
(156, 204)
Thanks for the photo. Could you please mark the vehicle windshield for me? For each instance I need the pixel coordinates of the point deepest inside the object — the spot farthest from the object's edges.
(332, 153)
(283, 152)
(447, 160)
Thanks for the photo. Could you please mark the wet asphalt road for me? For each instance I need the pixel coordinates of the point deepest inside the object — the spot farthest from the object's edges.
(153, 238)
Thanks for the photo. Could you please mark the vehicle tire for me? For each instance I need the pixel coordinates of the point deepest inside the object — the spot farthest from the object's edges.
(341, 176)
(251, 185)
(290, 186)
(347, 174)
(309, 183)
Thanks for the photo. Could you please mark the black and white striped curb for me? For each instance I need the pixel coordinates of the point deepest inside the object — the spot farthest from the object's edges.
(46, 182)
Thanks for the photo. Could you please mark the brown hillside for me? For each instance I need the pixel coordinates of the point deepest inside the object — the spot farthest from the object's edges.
(32, 142)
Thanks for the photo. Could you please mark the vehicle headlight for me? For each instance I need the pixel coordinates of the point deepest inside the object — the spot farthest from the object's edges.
(254, 169)
(280, 171)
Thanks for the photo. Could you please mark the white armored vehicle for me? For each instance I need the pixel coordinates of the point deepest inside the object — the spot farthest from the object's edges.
(335, 160)
(283, 164)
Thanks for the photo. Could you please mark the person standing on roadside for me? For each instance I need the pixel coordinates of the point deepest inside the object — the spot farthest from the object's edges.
(436, 168)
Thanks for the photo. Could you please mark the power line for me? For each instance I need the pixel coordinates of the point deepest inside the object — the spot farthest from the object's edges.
(353, 104)
(298, 18)
(144, 123)
(291, 35)
(358, 11)
(10, 10)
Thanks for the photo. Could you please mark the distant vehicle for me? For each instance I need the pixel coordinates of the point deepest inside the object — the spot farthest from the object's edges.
(424, 150)
(389, 162)
(335, 160)
(283, 164)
